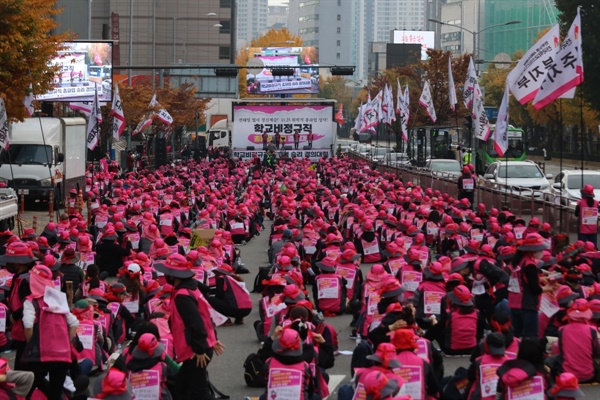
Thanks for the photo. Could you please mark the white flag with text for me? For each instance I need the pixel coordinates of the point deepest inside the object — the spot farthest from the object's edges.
(427, 101)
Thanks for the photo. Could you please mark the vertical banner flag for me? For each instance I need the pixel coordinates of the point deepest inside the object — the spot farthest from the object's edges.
(427, 101)
(28, 101)
(407, 101)
(369, 116)
(469, 89)
(4, 140)
(501, 130)
(358, 120)
(145, 122)
(566, 71)
(403, 113)
(93, 129)
(391, 115)
(479, 115)
(162, 114)
(118, 115)
(451, 89)
(339, 116)
(526, 78)
(398, 95)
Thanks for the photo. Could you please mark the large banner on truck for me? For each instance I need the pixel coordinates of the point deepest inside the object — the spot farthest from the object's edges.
(250, 122)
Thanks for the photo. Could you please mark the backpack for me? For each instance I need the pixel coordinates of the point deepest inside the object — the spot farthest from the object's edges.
(263, 274)
(254, 371)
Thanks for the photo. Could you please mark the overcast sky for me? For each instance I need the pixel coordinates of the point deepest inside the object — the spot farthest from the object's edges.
(277, 2)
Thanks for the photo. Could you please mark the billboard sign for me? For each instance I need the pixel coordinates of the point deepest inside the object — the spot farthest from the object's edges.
(425, 38)
(251, 121)
(304, 60)
(83, 65)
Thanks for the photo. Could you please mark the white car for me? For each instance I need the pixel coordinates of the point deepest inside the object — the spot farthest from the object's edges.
(523, 177)
(363, 150)
(398, 160)
(568, 184)
(443, 167)
(345, 145)
(378, 153)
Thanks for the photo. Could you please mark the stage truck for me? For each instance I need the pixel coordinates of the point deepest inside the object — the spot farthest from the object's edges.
(253, 117)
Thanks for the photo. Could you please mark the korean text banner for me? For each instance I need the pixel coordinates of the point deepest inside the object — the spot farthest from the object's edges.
(303, 60)
(83, 65)
(250, 122)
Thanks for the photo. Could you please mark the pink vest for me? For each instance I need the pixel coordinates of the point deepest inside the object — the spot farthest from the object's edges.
(305, 377)
(588, 217)
(161, 369)
(237, 227)
(51, 333)
(486, 379)
(183, 351)
(576, 348)
(371, 253)
(237, 293)
(89, 353)
(166, 221)
(462, 330)
(413, 373)
(17, 332)
(325, 293)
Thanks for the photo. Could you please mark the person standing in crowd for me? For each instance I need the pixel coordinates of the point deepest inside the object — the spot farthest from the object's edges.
(265, 139)
(194, 337)
(296, 139)
(109, 253)
(130, 161)
(466, 185)
(587, 216)
(18, 260)
(49, 329)
(524, 286)
(277, 139)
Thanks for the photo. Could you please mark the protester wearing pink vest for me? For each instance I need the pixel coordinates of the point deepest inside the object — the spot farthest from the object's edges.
(231, 298)
(587, 216)
(148, 357)
(578, 342)
(87, 349)
(329, 289)
(194, 336)
(49, 328)
(463, 324)
(482, 372)
(419, 378)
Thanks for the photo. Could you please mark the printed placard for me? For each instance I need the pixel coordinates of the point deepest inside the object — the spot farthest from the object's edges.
(132, 305)
(349, 273)
(145, 384)
(468, 184)
(413, 381)
(370, 248)
(411, 280)
(360, 393)
(548, 305)
(423, 349)
(395, 265)
(432, 228)
(114, 308)
(237, 225)
(85, 332)
(589, 216)
(372, 303)
(519, 231)
(2, 319)
(328, 288)
(432, 302)
(284, 384)
(531, 389)
(166, 221)
(488, 379)
(477, 234)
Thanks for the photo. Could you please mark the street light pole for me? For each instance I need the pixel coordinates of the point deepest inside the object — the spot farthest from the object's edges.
(174, 39)
(130, 40)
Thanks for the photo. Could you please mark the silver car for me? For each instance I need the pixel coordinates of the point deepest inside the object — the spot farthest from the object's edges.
(398, 160)
(568, 185)
(523, 177)
(443, 168)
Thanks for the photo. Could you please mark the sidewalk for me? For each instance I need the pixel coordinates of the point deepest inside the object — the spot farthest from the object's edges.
(570, 164)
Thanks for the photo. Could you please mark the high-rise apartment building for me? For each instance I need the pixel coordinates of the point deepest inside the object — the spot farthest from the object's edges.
(164, 32)
(251, 20)
(343, 30)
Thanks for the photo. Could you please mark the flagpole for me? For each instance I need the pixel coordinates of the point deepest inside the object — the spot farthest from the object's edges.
(560, 145)
(581, 125)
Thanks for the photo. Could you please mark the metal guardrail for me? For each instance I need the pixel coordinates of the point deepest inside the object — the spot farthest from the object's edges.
(522, 202)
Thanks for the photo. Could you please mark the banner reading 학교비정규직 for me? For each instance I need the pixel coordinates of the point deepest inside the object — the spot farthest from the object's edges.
(250, 122)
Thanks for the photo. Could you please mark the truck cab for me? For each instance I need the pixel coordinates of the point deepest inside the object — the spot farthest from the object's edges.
(219, 135)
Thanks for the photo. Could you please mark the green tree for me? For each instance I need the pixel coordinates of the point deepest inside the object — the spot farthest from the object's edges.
(590, 15)
(26, 45)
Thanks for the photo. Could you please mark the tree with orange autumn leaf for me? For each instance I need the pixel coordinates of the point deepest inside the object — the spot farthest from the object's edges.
(272, 38)
(435, 70)
(180, 103)
(26, 45)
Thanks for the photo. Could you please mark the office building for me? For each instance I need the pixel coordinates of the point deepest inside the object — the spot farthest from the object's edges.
(251, 20)
(164, 31)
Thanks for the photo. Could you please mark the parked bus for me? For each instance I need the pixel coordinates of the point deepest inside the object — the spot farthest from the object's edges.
(486, 153)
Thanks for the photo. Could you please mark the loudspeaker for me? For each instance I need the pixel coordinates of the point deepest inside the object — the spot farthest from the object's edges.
(250, 148)
(288, 147)
(307, 148)
(139, 148)
(161, 153)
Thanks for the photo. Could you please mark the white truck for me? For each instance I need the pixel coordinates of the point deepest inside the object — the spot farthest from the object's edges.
(219, 135)
(43, 149)
(9, 208)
